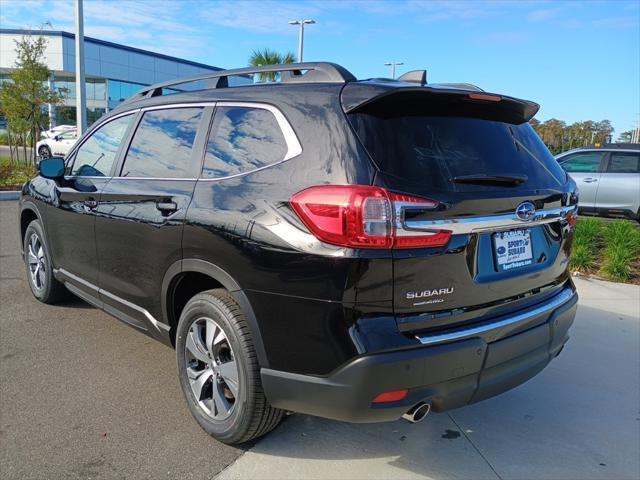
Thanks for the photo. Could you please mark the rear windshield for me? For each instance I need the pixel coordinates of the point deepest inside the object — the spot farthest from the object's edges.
(432, 150)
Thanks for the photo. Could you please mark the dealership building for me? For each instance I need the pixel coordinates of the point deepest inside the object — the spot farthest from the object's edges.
(113, 72)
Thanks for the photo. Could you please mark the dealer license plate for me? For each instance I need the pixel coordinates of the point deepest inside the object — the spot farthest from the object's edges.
(512, 249)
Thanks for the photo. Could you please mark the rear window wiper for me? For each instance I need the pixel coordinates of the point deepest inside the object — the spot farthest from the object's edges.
(507, 180)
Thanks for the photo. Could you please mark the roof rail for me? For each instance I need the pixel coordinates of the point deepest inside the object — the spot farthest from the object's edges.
(462, 86)
(314, 72)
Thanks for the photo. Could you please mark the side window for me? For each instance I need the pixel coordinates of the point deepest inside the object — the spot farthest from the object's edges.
(583, 163)
(161, 146)
(242, 139)
(96, 155)
(624, 162)
(68, 135)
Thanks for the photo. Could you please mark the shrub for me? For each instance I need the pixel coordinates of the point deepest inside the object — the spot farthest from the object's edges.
(587, 242)
(622, 239)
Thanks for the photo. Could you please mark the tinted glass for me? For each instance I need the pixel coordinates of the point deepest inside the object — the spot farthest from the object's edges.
(583, 163)
(432, 150)
(622, 162)
(161, 146)
(242, 139)
(97, 154)
(67, 135)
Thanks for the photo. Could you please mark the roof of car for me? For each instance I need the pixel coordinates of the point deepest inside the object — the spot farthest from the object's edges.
(607, 147)
(355, 94)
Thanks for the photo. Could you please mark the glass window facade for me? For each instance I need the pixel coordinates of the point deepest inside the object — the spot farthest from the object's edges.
(96, 88)
(120, 91)
(66, 115)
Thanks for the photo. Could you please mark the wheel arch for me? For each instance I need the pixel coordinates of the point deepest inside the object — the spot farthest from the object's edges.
(219, 279)
(28, 213)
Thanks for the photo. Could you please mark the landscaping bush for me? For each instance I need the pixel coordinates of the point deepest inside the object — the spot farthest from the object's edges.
(622, 248)
(13, 175)
(609, 248)
(586, 244)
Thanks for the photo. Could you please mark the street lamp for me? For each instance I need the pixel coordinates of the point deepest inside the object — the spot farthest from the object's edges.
(302, 23)
(393, 66)
(81, 100)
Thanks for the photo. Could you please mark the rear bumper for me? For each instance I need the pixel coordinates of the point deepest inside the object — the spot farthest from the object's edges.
(447, 374)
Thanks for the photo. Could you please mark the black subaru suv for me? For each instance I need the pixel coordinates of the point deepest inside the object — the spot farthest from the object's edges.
(357, 250)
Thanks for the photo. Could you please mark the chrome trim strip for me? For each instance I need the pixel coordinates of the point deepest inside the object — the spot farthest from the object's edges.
(555, 302)
(294, 147)
(85, 137)
(159, 325)
(459, 226)
(133, 306)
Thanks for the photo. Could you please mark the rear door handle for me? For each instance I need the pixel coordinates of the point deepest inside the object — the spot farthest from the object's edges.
(590, 180)
(167, 207)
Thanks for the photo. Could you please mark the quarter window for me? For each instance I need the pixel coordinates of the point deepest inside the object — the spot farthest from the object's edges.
(162, 144)
(622, 162)
(583, 163)
(96, 155)
(242, 139)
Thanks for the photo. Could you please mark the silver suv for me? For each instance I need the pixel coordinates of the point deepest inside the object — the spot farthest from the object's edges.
(608, 179)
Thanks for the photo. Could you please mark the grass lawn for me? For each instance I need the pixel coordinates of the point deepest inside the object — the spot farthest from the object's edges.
(609, 249)
(12, 176)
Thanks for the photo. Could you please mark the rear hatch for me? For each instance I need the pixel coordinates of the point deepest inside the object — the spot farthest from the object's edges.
(477, 157)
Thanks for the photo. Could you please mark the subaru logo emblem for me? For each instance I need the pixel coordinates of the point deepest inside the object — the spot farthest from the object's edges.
(526, 211)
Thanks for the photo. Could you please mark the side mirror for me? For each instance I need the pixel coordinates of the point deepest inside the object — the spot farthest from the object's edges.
(52, 168)
(57, 138)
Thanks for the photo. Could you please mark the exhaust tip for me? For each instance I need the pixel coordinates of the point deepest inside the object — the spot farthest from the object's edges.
(417, 413)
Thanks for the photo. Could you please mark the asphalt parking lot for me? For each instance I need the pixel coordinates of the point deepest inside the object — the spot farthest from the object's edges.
(84, 396)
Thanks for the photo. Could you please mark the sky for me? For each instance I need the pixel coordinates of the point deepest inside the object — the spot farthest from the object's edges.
(580, 60)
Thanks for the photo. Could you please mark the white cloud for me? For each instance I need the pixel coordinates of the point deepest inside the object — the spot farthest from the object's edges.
(543, 14)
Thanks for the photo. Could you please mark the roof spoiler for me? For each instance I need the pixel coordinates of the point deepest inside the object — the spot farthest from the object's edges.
(438, 101)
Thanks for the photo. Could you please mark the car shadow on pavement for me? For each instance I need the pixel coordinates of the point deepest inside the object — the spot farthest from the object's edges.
(577, 419)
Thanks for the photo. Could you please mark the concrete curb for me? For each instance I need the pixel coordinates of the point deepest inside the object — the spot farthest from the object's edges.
(9, 195)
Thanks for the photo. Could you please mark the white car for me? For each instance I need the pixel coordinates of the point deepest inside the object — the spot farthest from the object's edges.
(58, 146)
(608, 179)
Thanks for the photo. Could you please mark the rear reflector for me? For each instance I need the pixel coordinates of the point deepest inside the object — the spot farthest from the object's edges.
(393, 396)
(362, 216)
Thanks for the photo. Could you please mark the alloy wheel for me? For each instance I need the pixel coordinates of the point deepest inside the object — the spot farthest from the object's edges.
(212, 369)
(37, 261)
(44, 152)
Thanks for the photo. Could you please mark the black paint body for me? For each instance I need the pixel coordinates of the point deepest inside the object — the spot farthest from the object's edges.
(311, 311)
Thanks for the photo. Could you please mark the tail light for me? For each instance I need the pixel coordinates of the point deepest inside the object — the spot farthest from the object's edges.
(361, 216)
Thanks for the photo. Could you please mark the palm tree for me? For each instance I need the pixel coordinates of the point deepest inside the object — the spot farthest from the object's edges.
(260, 58)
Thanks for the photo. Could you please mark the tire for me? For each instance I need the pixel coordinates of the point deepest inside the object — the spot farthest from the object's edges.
(44, 152)
(240, 411)
(37, 259)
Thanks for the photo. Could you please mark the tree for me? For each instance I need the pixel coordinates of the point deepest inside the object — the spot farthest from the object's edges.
(23, 97)
(625, 137)
(264, 57)
(558, 136)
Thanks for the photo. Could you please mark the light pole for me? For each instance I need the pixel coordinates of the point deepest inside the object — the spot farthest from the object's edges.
(302, 23)
(81, 101)
(393, 66)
